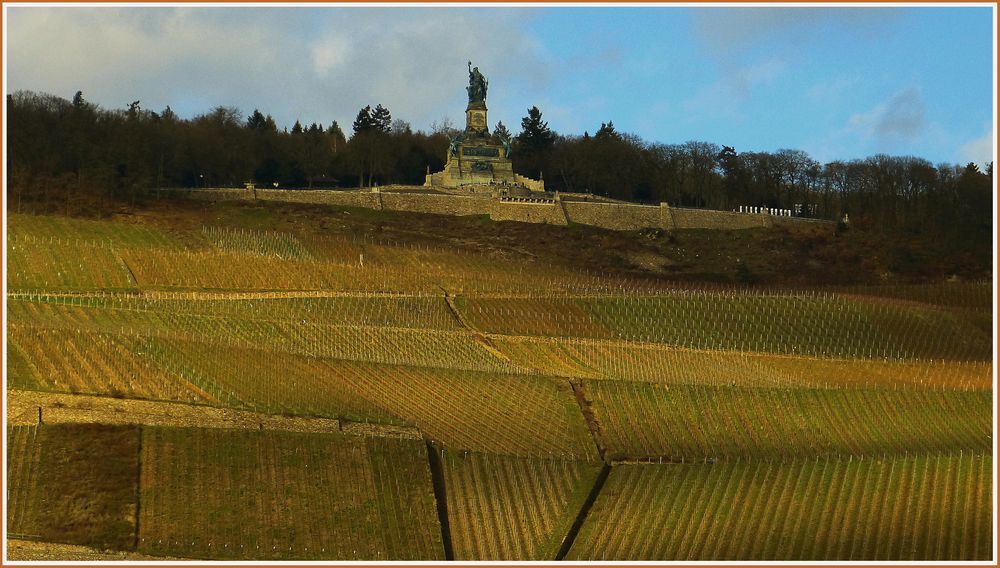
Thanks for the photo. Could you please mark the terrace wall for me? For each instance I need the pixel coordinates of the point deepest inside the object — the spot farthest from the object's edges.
(618, 216)
(614, 216)
(547, 212)
(434, 203)
(711, 219)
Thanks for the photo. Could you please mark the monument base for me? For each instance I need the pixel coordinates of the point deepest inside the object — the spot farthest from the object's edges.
(478, 159)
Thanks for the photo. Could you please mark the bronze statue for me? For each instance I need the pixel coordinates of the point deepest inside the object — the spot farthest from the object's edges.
(477, 85)
(506, 145)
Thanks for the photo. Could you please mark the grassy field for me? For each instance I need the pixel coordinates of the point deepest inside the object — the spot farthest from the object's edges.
(502, 508)
(525, 376)
(903, 508)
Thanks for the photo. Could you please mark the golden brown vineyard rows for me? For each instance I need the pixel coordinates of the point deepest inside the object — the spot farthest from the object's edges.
(676, 422)
(486, 412)
(503, 508)
(68, 266)
(235, 494)
(93, 363)
(511, 370)
(649, 362)
(902, 508)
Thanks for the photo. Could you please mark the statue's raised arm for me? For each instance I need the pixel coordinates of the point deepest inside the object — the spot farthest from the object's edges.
(477, 85)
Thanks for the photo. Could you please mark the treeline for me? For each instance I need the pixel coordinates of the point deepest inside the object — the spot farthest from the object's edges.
(62, 153)
(71, 152)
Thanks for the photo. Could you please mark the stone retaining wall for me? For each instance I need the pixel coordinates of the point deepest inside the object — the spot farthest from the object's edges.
(549, 213)
(712, 219)
(532, 184)
(614, 216)
(617, 216)
(365, 199)
(439, 204)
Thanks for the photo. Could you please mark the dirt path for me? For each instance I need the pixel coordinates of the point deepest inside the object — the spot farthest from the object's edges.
(27, 550)
(234, 295)
(27, 407)
(587, 409)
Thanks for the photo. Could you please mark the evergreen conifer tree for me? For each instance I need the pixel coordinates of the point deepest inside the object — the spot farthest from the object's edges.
(501, 131)
(535, 133)
(382, 119)
(364, 120)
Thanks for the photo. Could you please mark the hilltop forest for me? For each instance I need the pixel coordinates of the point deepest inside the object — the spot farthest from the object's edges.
(71, 155)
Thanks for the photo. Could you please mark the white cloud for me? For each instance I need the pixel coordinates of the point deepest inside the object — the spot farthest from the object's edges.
(313, 64)
(331, 54)
(900, 118)
(979, 150)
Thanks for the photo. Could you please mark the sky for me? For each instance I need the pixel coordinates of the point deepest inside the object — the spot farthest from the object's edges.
(840, 83)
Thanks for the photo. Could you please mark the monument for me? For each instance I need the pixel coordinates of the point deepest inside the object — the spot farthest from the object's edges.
(477, 161)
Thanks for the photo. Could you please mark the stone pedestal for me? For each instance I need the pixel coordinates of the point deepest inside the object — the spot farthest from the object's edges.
(475, 119)
(479, 158)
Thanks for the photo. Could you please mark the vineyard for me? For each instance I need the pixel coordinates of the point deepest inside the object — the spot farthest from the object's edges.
(928, 507)
(345, 498)
(503, 508)
(223, 493)
(695, 423)
(563, 413)
(73, 484)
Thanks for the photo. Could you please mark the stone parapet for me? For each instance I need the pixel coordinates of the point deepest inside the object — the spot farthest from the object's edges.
(532, 184)
(615, 216)
(528, 209)
(548, 212)
(712, 219)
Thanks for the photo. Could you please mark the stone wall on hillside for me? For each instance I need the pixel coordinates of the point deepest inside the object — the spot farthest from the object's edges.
(614, 216)
(364, 199)
(712, 219)
(617, 216)
(543, 211)
(439, 204)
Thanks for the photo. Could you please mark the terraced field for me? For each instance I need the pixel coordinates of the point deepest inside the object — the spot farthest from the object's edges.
(232, 494)
(729, 423)
(930, 507)
(503, 508)
(215, 493)
(73, 483)
(644, 420)
(809, 324)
